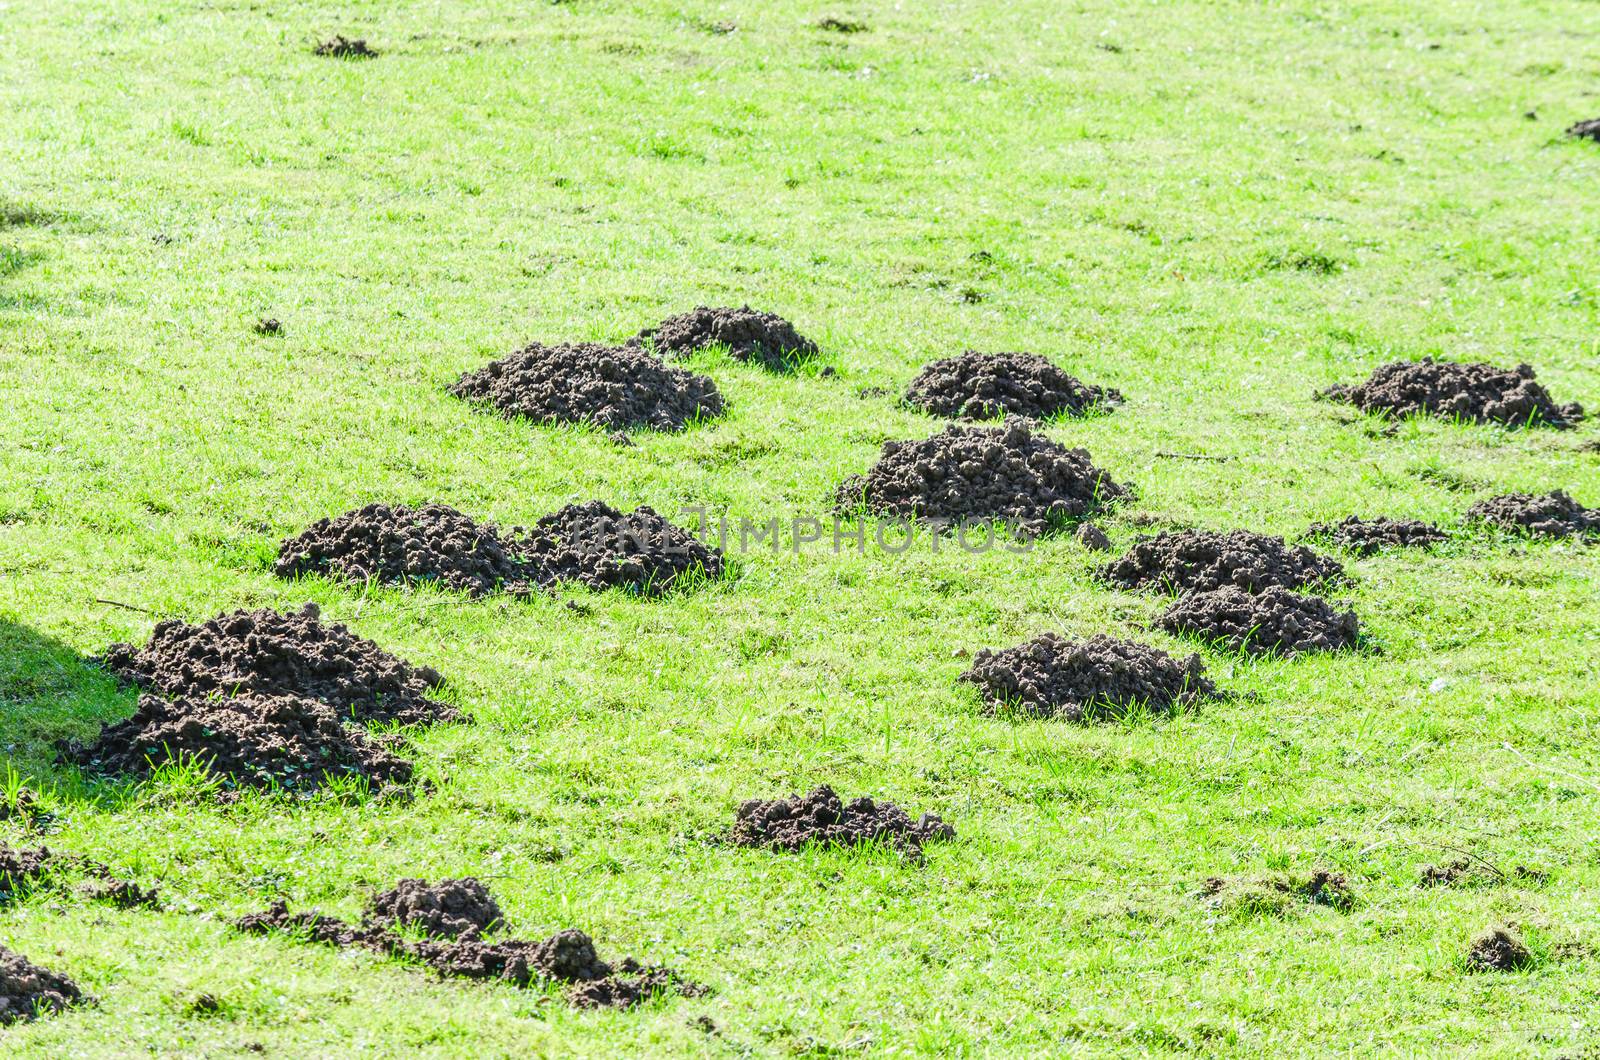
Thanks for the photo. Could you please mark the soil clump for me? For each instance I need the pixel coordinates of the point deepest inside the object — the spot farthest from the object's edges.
(339, 46)
(822, 818)
(1366, 537)
(749, 334)
(1181, 561)
(1054, 677)
(1551, 514)
(1481, 393)
(1498, 950)
(1274, 621)
(27, 990)
(600, 547)
(981, 386)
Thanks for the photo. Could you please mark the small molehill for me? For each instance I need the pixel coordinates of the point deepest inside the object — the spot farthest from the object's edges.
(1278, 895)
(249, 740)
(1183, 561)
(611, 387)
(823, 819)
(339, 46)
(749, 334)
(453, 916)
(28, 991)
(1589, 130)
(1551, 514)
(981, 386)
(1053, 677)
(1481, 393)
(835, 24)
(396, 545)
(26, 870)
(963, 473)
(600, 547)
(1498, 950)
(272, 653)
(1273, 621)
(1366, 537)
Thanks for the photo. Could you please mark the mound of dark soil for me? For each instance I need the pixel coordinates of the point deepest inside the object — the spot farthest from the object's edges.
(1498, 950)
(595, 544)
(1007, 472)
(1365, 537)
(1053, 677)
(1181, 561)
(1482, 393)
(749, 334)
(451, 909)
(1537, 514)
(981, 386)
(455, 914)
(269, 653)
(249, 740)
(124, 894)
(822, 818)
(1093, 538)
(341, 47)
(1588, 129)
(611, 387)
(1272, 621)
(27, 990)
(398, 546)
(24, 871)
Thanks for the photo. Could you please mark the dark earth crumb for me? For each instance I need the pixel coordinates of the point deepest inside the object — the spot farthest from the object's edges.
(1481, 393)
(822, 818)
(1008, 472)
(979, 386)
(600, 547)
(27, 990)
(834, 24)
(452, 909)
(1053, 677)
(1365, 537)
(1093, 538)
(1181, 561)
(269, 326)
(249, 740)
(124, 894)
(611, 387)
(1588, 129)
(1274, 621)
(1551, 514)
(1498, 950)
(749, 334)
(396, 545)
(341, 47)
(28, 869)
(271, 653)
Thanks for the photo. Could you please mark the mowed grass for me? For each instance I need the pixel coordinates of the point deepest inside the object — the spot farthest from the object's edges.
(1216, 208)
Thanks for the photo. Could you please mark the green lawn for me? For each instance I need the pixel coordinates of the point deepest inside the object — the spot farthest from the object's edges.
(1216, 208)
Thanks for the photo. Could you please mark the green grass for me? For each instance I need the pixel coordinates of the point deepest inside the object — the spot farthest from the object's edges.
(1216, 208)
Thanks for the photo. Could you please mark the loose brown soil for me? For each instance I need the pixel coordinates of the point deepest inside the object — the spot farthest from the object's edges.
(981, 386)
(395, 545)
(1053, 677)
(611, 387)
(600, 547)
(270, 653)
(749, 334)
(341, 47)
(453, 916)
(823, 819)
(963, 473)
(1181, 561)
(1587, 129)
(1537, 515)
(1498, 950)
(1093, 538)
(289, 743)
(24, 871)
(1366, 537)
(1274, 621)
(27, 990)
(1481, 393)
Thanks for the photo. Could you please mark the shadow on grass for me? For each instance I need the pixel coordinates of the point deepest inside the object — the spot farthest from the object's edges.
(49, 692)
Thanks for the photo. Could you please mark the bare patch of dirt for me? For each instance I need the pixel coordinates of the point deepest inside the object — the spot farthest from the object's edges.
(454, 915)
(1181, 561)
(270, 653)
(1499, 949)
(339, 46)
(1008, 472)
(981, 386)
(1551, 514)
(610, 387)
(396, 545)
(597, 545)
(27, 990)
(1053, 677)
(1366, 537)
(1480, 393)
(1586, 129)
(823, 819)
(1274, 621)
(749, 334)
(258, 741)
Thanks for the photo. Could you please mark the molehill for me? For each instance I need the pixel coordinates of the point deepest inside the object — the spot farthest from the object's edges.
(749, 334)
(1482, 393)
(1054, 677)
(980, 386)
(1274, 620)
(822, 818)
(1202, 560)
